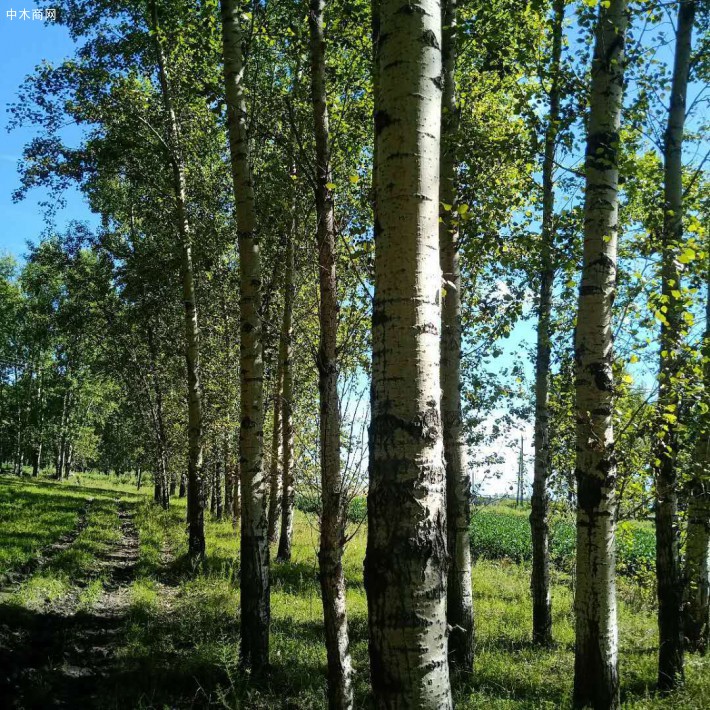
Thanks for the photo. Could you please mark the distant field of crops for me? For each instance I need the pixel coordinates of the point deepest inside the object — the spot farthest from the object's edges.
(502, 532)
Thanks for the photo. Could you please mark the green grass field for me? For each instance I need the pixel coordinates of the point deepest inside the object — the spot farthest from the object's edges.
(177, 634)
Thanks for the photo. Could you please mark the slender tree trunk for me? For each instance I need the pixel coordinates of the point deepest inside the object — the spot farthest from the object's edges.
(68, 460)
(162, 494)
(255, 606)
(195, 469)
(228, 476)
(39, 434)
(332, 529)
(286, 360)
(697, 619)
(237, 500)
(539, 522)
(668, 569)
(596, 672)
(59, 465)
(219, 504)
(458, 482)
(275, 470)
(406, 560)
(213, 489)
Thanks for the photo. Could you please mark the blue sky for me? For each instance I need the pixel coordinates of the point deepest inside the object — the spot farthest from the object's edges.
(23, 44)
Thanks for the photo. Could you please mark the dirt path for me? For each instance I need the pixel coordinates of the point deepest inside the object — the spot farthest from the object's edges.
(64, 657)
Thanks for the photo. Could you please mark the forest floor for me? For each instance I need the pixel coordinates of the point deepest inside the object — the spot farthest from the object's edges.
(99, 609)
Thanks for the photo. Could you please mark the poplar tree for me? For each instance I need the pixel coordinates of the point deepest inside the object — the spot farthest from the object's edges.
(596, 672)
(405, 562)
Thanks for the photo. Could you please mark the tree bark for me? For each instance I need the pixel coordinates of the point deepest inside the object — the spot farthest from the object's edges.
(697, 619)
(668, 570)
(596, 677)
(286, 364)
(539, 502)
(195, 467)
(39, 434)
(162, 492)
(275, 470)
(458, 481)
(406, 560)
(332, 528)
(228, 476)
(59, 467)
(255, 593)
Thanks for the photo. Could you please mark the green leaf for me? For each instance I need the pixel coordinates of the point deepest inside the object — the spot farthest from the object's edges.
(687, 256)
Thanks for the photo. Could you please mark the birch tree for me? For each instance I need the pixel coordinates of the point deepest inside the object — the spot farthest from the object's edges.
(596, 675)
(195, 469)
(405, 563)
(254, 569)
(668, 570)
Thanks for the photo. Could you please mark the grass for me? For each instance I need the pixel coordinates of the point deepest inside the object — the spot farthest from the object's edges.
(179, 641)
(33, 517)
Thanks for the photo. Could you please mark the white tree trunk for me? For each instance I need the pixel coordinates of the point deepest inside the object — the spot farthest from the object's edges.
(255, 593)
(596, 678)
(195, 468)
(406, 560)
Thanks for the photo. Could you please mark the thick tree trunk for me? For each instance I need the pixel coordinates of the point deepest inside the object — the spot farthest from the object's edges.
(596, 674)
(668, 570)
(275, 469)
(332, 530)
(539, 523)
(458, 482)
(195, 468)
(697, 571)
(406, 560)
(255, 606)
(286, 364)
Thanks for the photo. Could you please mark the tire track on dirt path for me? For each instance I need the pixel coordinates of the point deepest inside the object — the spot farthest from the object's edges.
(63, 656)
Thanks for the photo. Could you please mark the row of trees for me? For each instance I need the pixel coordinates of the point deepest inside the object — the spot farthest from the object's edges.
(254, 245)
